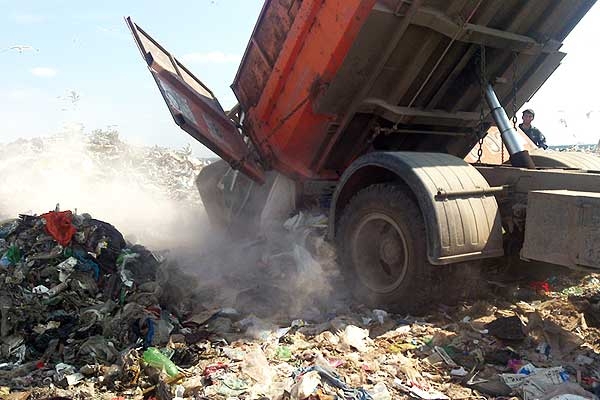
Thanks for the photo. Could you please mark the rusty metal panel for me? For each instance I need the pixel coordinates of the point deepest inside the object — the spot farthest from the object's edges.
(268, 38)
(194, 107)
(563, 228)
(249, 86)
(280, 75)
(493, 148)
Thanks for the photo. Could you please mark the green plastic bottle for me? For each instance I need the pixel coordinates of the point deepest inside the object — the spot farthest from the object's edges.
(155, 358)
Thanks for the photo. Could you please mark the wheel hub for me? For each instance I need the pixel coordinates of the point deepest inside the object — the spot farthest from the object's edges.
(380, 252)
(389, 251)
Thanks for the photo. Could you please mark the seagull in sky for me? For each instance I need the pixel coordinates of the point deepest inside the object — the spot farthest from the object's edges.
(21, 48)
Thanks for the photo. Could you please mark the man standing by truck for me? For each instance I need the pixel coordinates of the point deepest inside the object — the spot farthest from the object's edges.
(531, 131)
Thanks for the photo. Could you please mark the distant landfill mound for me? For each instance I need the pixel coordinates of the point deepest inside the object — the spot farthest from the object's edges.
(167, 170)
(104, 175)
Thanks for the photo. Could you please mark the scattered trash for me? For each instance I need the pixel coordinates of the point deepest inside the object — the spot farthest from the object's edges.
(537, 383)
(283, 353)
(101, 315)
(306, 385)
(59, 225)
(540, 287)
(508, 328)
(380, 392)
(551, 336)
(256, 365)
(156, 359)
(459, 372)
(179, 392)
(354, 337)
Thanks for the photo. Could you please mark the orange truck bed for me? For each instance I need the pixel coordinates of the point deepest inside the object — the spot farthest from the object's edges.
(324, 81)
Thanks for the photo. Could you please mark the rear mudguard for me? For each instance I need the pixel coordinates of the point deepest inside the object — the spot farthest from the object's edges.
(566, 159)
(458, 228)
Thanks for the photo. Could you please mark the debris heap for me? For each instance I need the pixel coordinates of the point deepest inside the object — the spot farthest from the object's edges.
(87, 315)
(169, 171)
(73, 293)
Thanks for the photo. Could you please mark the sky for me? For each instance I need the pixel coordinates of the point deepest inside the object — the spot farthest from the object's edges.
(74, 65)
(85, 47)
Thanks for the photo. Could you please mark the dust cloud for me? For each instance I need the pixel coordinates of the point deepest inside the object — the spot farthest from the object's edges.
(283, 275)
(107, 178)
(149, 195)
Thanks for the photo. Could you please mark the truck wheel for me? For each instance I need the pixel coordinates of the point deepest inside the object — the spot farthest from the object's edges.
(383, 250)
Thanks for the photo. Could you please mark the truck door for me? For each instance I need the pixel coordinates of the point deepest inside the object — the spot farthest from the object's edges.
(194, 107)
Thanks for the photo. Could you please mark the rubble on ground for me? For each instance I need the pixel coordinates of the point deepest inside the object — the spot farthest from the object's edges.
(86, 315)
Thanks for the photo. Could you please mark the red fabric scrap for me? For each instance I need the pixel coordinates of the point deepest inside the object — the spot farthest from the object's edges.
(540, 286)
(154, 310)
(335, 362)
(211, 369)
(58, 224)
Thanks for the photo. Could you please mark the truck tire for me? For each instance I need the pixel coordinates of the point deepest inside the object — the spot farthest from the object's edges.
(383, 249)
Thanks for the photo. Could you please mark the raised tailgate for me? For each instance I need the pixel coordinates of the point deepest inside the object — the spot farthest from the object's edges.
(194, 107)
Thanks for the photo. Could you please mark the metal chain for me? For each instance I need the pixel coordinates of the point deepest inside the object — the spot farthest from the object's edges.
(482, 81)
(501, 150)
(514, 91)
(514, 97)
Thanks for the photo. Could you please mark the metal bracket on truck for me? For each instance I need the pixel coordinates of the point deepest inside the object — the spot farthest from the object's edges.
(460, 227)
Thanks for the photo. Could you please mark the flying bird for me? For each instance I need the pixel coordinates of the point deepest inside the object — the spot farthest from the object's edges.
(21, 48)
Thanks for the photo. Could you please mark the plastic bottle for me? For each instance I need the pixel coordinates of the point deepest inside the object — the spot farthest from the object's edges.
(256, 365)
(283, 353)
(155, 358)
(5, 306)
(380, 392)
(11, 257)
(179, 392)
(57, 289)
(8, 228)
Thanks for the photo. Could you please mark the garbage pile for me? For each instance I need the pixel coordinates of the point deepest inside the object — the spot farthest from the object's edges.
(97, 170)
(589, 148)
(73, 295)
(167, 170)
(87, 315)
(103, 156)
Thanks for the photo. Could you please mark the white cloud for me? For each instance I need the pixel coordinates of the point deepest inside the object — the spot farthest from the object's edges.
(21, 94)
(211, 57)
(43, 72)
(28, 18)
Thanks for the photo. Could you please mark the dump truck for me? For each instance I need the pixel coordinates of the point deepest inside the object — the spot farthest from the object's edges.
(367, 109)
